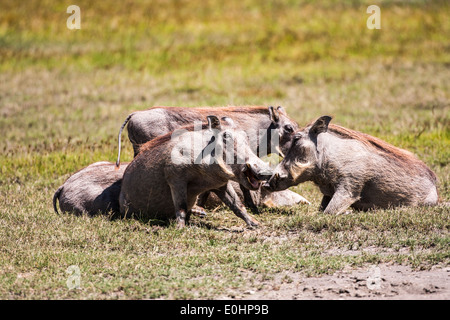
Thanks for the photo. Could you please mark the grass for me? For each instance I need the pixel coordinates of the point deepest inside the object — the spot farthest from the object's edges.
(64, 95)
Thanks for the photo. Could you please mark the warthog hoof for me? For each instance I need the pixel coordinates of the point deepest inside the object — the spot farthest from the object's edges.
(198, 211)
(252, 223)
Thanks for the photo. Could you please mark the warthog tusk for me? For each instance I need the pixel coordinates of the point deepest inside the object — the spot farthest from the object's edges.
(224, 168)
(279, 151)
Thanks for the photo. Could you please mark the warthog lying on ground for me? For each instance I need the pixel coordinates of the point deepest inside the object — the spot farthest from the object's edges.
(96, 188)
(354, 169)
(92, 190)
(269, 129)
(168, 174)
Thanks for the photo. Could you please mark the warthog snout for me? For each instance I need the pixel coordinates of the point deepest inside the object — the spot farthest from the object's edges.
(274, 182)
(256, 175)
(270, 185)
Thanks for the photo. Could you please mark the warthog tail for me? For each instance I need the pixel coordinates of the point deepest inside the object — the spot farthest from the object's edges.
(120, 136)
(55, 197)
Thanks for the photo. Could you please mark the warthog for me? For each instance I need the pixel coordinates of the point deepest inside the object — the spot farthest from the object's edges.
(146, 125)
(354, 169)
(269, 129)
(92, 190)
(166, 177)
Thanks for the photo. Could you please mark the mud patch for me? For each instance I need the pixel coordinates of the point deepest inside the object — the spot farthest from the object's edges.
(373, 282)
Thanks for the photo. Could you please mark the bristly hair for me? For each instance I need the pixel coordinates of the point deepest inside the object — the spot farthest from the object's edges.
(239, 109)
(186, 113)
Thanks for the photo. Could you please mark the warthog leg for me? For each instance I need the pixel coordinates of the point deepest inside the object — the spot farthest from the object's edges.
(198, 209)
(231, 199)
(179, 198)
(248, 200)
(325, 201)
(341, 200)
(182, 218)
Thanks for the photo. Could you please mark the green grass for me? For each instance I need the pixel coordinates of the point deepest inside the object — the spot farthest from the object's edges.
(64, 95)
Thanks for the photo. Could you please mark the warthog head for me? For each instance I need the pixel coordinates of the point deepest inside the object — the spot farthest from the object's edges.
(301, 160)
(283, 128)
(225, 148)
(237, 156)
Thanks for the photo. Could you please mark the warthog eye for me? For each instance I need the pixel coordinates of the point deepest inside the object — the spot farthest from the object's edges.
(288, 128)
(227, 135)
(298, 136)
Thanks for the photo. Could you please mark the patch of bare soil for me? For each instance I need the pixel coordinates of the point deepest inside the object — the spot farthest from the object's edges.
(374, 282)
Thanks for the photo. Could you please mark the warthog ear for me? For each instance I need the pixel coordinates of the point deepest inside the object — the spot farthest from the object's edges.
(228, 121)
(281, 110)
(273, 114)
(213, 123)
(321, 125)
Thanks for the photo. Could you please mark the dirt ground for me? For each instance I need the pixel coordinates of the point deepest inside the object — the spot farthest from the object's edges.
(374, 282)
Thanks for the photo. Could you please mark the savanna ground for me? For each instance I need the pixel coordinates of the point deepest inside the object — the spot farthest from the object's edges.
(64, 94)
